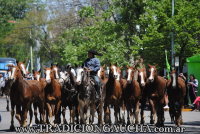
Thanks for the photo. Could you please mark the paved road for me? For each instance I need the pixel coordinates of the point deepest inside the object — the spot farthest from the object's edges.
(191, 119)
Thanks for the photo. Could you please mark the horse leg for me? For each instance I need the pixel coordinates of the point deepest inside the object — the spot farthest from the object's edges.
(99, 111)
(136, 109)
(77, 113)
(178, 113)
(106, 113)
(153, 111)
(31, 116)
(50, 115)
(7, 99)
(160, 113)
(128, 114)
(116, 111)
(18, 114)
(82, 119)
(171, 111)
(63, 114)
(181, 119)
(123, 109)
(91, 115)
(57, 112)
(72, 114)
(12, 116)
(35, 113)
(42, 112)
(143, 101)
(25, 108)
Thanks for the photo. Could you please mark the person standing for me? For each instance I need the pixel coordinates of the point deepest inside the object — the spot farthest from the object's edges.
(192, 86)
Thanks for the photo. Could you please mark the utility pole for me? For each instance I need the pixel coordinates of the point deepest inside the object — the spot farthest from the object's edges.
(31, 51)
(172, 38)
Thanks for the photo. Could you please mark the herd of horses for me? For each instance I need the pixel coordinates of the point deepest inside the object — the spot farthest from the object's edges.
(74, 88)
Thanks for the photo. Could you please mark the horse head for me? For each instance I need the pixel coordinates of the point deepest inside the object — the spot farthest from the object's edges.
(115, 72)
(55, 69)
(49, 75)
(15, 73)
(80, 74)
(174, 77)
(101, 73)
(22, 68)
(153, 73)
(130, 74)
(142, 76)
(36, 75)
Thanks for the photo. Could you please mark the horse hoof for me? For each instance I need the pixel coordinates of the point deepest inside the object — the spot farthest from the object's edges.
(12, 128)
(151, 122)
(7, 108)
(30, 125)
(65, 122)
(142, 122)
(42, 122)
(136, 122)
(36, 121)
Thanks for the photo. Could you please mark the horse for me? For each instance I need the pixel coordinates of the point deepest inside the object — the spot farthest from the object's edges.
(52, 95)
(132, 96)
(7, 87)
(22, 68)
(142, 79)
(86, 96)
(69, 94)
(42, 81)
(176, 90)
(22, 94)
(154, 91)
(113, 94)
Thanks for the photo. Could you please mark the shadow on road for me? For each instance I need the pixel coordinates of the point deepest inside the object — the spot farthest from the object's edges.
(192, 123)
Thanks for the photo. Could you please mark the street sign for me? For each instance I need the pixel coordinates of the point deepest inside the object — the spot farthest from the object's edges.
(177, 61)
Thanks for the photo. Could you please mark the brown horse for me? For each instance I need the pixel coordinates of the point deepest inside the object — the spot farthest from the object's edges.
(176, 90)
(22, 67)
(42, 81)
(113, 94)
(52, 95)
(22, 94)
(132, 96)
(154, 91)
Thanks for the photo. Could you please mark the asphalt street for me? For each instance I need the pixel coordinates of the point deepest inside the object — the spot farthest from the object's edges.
(191, 119)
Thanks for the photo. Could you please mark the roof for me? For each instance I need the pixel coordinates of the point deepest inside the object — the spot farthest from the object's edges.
(195, 58)
(7, 60)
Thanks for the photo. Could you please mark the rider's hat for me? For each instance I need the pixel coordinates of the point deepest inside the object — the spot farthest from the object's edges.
(94, 52)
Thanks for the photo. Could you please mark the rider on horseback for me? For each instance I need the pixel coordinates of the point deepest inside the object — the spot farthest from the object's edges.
(93, 65)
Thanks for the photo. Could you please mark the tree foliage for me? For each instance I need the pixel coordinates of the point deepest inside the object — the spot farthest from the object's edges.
(120, 29)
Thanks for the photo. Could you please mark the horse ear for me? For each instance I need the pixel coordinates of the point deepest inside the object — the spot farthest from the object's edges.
(39, 71)
(33, 71)
(17, 62)
(104, 66)
(127, 66)
(110, 64)
(149, 65)
(156, 65)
